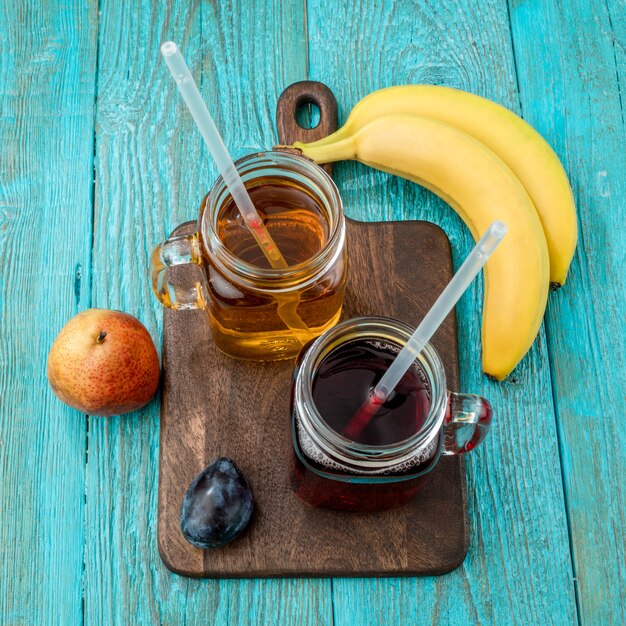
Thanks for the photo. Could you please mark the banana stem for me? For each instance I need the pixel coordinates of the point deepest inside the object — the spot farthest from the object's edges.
(332, 138)
(341, 150)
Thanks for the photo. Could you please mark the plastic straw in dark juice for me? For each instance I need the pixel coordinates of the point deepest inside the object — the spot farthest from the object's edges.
(422, 334)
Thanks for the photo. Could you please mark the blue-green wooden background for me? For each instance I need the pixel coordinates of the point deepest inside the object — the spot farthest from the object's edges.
(98, 162)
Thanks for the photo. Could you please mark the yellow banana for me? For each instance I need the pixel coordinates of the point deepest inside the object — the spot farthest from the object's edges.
(517, 143)
(481, 188)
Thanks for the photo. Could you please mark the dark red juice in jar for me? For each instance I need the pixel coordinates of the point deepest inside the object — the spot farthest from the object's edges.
(341, 385)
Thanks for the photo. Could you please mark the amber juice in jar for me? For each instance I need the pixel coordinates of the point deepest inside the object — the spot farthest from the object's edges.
(258, 312)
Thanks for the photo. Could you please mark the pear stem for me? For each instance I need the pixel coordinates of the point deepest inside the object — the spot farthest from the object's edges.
(101, 336)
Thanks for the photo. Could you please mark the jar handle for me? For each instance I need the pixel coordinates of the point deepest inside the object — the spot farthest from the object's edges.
(182, 250)
(466, 423)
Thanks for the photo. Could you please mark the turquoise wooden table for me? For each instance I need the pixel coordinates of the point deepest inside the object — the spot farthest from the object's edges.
(98, 163)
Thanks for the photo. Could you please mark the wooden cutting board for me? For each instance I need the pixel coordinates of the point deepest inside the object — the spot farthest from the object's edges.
(214, 406)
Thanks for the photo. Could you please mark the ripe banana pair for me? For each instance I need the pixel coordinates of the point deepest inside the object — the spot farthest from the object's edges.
(488, 164)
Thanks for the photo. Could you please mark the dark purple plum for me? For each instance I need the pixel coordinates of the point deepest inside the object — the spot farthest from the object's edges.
(217, 506)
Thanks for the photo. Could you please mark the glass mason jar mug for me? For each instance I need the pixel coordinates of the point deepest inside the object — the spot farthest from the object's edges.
(385, 462)
(258, 312)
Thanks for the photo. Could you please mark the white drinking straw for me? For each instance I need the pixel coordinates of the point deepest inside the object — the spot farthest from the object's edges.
(189, 91)
(431, 322)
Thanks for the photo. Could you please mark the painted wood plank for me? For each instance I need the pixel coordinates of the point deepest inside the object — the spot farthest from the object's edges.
(572, 71)
(151, 173)
(518, 569)
(46, 132)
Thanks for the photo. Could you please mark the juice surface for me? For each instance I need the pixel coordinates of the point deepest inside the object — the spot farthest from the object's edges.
(344, 380)
(292, 215)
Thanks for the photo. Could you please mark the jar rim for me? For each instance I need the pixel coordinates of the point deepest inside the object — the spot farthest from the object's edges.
(333, 443)
(306, 271)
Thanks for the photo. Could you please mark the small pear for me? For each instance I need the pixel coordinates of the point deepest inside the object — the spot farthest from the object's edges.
(104, 363)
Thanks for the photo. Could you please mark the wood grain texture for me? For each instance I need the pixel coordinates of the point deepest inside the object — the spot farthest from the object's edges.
(576, 99)
(151, 173)
(518, 569)
(206, 413)
(47, 77)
